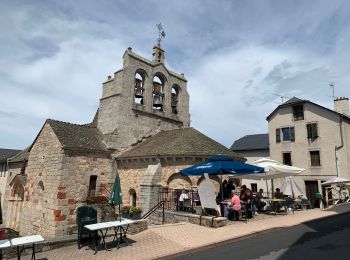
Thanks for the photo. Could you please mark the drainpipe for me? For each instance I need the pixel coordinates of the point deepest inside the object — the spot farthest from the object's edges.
(340, 146)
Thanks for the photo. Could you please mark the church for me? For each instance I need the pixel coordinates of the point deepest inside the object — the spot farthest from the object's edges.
(141, 131)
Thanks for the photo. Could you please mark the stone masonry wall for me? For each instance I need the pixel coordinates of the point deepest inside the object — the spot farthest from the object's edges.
(124, 123)
(44, 175)
(73, 190)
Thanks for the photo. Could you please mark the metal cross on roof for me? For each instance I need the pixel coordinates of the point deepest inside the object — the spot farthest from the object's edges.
(161, 34)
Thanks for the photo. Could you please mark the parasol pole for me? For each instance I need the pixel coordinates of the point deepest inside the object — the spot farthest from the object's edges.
(222, 188)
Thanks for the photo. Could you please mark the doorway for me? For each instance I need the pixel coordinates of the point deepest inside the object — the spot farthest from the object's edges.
(311, 189)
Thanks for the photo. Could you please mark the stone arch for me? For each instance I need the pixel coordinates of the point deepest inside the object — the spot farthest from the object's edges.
(41, 186)
(132, 197)
(159, 88)
(175, 94)
(139, 86)
(15, 203)
(17, 192)
(178, 181)
(214, 179)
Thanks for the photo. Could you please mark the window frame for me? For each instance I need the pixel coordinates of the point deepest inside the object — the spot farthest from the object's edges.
(290, 157)
(291, 134)
(313, 160)
(312, 130)
(298, 114)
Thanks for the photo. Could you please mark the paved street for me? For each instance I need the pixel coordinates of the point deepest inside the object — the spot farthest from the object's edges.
(319, 239)
(167, 241)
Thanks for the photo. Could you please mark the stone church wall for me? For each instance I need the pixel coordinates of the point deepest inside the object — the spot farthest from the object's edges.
(44, 175)
(73, 190)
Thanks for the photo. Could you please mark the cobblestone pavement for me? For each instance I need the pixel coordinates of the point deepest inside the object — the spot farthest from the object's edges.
(165, 240)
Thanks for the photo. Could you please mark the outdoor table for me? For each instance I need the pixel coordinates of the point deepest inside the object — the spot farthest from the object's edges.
(118, 227)
(273, 202)
(4, 244)
(24, 241)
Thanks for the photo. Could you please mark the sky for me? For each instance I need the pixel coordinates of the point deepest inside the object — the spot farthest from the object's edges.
(241, 58)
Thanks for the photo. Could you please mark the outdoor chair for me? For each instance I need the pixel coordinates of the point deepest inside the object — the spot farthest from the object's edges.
(85, 216)
(247, 210)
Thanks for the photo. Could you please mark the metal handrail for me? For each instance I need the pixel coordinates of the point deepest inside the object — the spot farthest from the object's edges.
(152, 210)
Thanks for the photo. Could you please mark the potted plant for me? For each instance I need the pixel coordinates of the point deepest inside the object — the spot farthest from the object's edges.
(125, 211)
(135, 212)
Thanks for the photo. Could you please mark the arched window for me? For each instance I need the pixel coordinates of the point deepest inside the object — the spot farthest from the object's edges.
(133, 197)
(158, 93)
(139, 89)
(41, 186)
(18, 191)
(175, 90)
(92, 186)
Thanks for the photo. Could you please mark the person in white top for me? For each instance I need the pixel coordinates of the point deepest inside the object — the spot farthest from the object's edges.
(182, 199)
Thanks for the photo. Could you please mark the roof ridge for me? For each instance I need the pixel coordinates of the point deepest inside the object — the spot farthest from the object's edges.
(73, 124)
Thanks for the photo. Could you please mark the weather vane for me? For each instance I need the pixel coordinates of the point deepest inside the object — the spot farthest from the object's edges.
(161, 33)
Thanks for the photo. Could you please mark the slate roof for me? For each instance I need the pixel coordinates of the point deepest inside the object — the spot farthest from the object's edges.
(78, 136)
(7, 153)
(21, 156)
(295, 100)
(251, 142)
(182, 142)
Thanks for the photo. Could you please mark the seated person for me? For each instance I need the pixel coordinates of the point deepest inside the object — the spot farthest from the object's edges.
(246, 194)
(235, 205)
(258, 200)
(276, 204)
(278, 194)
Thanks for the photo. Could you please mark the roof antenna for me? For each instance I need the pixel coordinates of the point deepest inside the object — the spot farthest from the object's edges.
(331, 85)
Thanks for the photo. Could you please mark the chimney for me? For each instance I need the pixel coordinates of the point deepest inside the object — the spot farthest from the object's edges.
(341, 105)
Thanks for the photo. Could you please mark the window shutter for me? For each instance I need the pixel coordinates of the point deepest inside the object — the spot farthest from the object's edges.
(278, 135)
(314, 130)
(292, 134)
(309, 132)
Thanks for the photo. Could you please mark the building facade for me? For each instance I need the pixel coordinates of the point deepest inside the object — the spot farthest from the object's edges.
(313, 137)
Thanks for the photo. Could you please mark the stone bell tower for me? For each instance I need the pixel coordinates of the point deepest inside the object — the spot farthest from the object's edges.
(142, 98)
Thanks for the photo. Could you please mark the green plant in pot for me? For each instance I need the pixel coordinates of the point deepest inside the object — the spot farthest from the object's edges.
(135, 212)
(125, 211)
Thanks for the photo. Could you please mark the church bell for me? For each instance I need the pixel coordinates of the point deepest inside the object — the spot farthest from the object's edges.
(157, 88)
(158, 100)
(138, 88)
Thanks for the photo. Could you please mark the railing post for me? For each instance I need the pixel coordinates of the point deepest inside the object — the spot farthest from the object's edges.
(163, 213)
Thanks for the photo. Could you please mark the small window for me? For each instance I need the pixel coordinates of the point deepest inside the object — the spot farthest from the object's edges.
(278, 135)
(92, 186)
(315, 158)
(298, 112)
(287, 158)
(288, 134)
(133, 197)
(312, 132)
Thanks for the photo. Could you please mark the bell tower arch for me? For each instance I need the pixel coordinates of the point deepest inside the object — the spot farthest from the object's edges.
(140, 99)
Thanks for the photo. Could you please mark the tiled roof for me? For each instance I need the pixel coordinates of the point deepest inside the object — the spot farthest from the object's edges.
(77, 136)
(251, 142)
(182, 142)
(21, 156)
(7, 153)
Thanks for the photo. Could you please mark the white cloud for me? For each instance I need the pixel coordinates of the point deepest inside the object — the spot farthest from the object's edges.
(236, 55)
